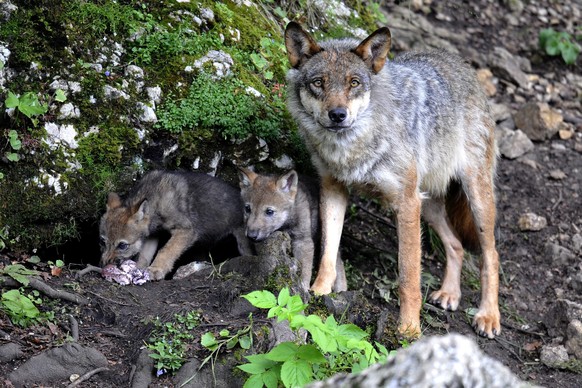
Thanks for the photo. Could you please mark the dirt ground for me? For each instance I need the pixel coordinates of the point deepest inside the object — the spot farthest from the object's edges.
(115, 321)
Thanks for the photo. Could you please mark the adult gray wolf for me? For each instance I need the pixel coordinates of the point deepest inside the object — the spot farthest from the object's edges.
(289, 203)
(415, 131)
(193, 207)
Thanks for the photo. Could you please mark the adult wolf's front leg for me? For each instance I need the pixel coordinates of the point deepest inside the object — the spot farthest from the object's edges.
(181, 240)
(408, 207)
(332, 209)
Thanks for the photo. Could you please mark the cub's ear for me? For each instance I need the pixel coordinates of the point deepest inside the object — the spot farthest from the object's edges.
(246, 177)
(375, 48)
(141, 211)
(287, 183)
(300, 45)
(113, 201)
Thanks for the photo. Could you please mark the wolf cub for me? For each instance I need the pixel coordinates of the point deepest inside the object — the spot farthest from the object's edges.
(286, 203)
(193, 207)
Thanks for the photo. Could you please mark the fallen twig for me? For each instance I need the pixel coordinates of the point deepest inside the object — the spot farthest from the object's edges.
(41, 286)
(74, 328)
(87, 376)
(89, 268)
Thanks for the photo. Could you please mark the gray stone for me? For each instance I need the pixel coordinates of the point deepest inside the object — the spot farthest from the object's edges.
(532, 222)
(538, 120)
(554, 356)
(57, 364)
(560, 315)
(508, 66)
(148, 114)
(558, 254)
(142, 376)
(448, 361)
(512, 143)
(10, 351)
(574, 338)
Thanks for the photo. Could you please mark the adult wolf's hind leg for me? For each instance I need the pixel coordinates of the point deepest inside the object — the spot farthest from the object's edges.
(449, 295)
(479, 190)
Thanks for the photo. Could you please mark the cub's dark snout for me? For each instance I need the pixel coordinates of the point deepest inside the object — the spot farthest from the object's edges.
(254, 235)
(338, 115)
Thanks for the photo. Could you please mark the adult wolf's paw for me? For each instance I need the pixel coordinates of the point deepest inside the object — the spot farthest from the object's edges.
(487, 323)
(409, 331)
(319, 288)
(157, 273)
(446, 300)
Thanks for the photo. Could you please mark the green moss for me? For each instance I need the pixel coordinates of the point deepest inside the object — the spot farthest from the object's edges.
(279, 279)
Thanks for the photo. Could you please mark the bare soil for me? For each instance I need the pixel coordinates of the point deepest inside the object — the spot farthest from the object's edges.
(116, 321)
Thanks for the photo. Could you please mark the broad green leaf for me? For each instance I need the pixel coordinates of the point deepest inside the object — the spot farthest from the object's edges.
(295, 304)
(15, 143)
(269, 75)
(274, 312)
(231, 343)
(224, 333)
(282, 352)
(283, 297)
(208, 340)
(33, 259)
(553, 46)
(252, 368)
(255, 381)
(271, 379)
(570, 53)
(297, 321)
(261, 299)
(12, 156)
(352, 331)
(245, 342)
(60, 96)
(311, 354)
(59, 263)
(11, 101)
(296, 373)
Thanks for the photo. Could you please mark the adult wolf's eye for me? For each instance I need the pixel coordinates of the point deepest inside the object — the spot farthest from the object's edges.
(247, 208)
(317, 83)
(122, 246)
(269, 212)
(354, 83)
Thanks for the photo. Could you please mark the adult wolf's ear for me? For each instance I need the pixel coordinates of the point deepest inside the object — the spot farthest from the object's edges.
(375, 48)
(246, 177)
(300, 45)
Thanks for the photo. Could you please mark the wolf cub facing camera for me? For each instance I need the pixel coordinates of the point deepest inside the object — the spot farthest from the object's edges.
(193, 207)
(287, 203)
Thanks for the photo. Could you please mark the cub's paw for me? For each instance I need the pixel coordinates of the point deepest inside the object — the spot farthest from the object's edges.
(446, 300)
(487, 323)
(157, 273)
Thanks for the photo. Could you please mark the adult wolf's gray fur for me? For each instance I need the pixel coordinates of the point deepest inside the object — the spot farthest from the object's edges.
(416, 132)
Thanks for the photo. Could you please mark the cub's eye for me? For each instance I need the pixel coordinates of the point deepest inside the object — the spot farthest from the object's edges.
(122, 246)
(317, 83)
(354, 83)
(247, 208)
(269, 212)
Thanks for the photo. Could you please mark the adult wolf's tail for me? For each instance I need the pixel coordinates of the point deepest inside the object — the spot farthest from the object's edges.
(461, 217)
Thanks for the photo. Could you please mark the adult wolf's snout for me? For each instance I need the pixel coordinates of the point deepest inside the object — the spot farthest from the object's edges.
(338, 115)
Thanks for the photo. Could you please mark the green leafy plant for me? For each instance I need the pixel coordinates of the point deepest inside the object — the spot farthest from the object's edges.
(559, 43)
(332, 348)
(28, 104)
(221, 105)
(170, 341)
(272, 57)
(20, 308)
(226, 340)
(18, 272)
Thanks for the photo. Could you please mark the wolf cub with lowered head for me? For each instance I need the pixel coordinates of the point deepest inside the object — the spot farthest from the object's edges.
(287, 203)
(193, 207)
(416, 132)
